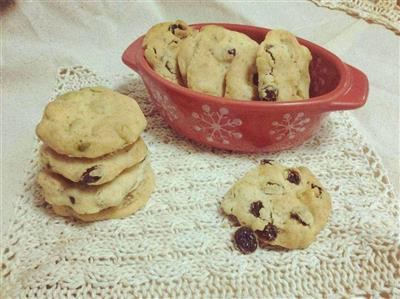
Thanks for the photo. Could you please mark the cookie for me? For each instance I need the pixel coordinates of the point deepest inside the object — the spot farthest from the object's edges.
(214, 51)
(242, 77)
(94, 171)
(185, 54)
(91, 122)
(282, 65)
(85, 199)
(131, 203)
(161, 45)
(284, 207)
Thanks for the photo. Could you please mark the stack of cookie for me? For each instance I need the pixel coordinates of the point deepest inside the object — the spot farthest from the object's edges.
(226, 63)
(95, 162)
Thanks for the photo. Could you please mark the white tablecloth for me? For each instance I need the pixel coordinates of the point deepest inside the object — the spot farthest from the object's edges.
(39, 37)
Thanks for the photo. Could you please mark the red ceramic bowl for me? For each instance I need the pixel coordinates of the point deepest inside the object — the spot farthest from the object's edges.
(253, 126)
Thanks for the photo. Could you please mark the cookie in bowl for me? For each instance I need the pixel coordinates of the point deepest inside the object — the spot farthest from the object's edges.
(110, 177)
(281, 207)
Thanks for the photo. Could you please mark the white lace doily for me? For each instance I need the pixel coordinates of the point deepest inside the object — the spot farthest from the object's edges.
(180, 245)
(385, 12)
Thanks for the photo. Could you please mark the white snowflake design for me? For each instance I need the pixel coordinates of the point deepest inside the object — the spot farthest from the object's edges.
(289, 126)
(168, 109)
(216, 125)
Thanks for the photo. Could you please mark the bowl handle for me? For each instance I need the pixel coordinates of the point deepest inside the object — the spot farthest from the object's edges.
(356, 95)
(130, 54)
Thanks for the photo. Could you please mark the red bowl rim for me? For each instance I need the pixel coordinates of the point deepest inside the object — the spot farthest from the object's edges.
(342, 86)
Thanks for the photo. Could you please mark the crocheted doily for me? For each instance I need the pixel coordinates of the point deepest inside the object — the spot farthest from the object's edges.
(385, 12)
(180, 245)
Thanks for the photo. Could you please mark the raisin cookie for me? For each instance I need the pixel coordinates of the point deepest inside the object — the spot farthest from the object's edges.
(282, 65)
(90, 199)
(284, 207)
(214, 50)
(161, 45)
(131, 203)
(91, 122)
(94, 171)
(242, 77)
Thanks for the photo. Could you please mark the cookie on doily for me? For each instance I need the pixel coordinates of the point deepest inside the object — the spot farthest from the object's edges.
(110, 176)
(281, 206)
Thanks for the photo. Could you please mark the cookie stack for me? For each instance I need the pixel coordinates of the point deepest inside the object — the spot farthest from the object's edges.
(95, 162)
(226, 63)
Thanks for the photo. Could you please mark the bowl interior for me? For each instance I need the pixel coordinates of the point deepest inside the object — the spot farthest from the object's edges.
(324, 68)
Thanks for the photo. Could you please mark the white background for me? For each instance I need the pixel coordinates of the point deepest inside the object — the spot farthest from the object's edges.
(38, 37)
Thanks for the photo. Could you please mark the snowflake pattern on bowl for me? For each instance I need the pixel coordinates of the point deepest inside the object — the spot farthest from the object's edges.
(289, 126)
(217, 126)
(168, 110)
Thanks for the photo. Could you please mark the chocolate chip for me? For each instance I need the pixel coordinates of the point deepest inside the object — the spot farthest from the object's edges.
(234, 220)
(255, 79)
(71, 199)
(232, 51)
(255, 208)
(269, 232)
(271, 93)
(296, 217)
(266, 161)
(293, 177)
(87, 178)
(245, 240)
(173, 27)
(313, 186)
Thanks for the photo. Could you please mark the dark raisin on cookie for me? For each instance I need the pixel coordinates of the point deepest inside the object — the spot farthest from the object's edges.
(232, 51)
(313, 186)
(71, 199)
(83, 146)
(255, 208)
(266, 161)
(271, 94)
(255, 79)
(173, 27)
(87, 178)
(269, 233)
(293, 177)
(296, 217)
(245, 240)
(233, 219)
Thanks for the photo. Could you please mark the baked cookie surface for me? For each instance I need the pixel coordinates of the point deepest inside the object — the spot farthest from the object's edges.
(161, 45)
(242, 77)
(283, 68)
(210, 54)
(132, 202)
(95, 171)
(85, 199)
(285, 207)
(91, 122)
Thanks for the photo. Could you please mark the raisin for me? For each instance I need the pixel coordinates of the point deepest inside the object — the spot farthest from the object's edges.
(71, 199)
(232, 51)
(255, 79)
(318, 187)
(173, 27)
(86, 178)
(271, 93)
(245, 240)
(269, 232)
(266, 161)
(234, 220)
(293, 177)
(83, 146)
(296, 217)
(255, 208)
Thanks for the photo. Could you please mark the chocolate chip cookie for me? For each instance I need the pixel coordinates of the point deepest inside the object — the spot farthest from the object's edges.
(91, 122)
(161, 45)
(94, 171)
(285, 207)
(282, 65)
